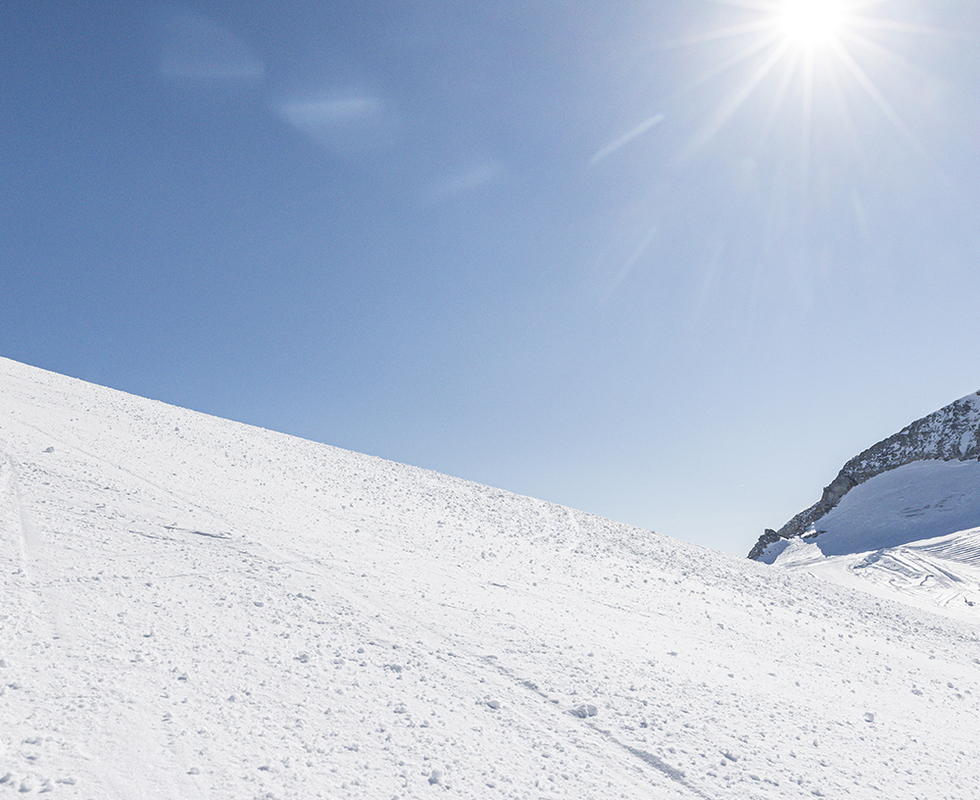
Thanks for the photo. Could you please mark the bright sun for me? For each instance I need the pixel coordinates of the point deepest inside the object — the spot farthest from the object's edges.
(812, 22)
(812, 54)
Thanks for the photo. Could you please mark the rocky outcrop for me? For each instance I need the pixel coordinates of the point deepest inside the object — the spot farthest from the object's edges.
(950, 434)
(768, 538)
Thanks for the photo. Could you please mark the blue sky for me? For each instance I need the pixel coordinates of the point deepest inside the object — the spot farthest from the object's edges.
(659, 261)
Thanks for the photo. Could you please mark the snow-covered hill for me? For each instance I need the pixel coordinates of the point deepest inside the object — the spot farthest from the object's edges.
(194, 608)
(911, 533)
(902, 519)
(950, 434)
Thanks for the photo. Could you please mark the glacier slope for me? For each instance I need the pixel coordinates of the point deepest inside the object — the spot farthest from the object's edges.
(194, 608)
(908, 534)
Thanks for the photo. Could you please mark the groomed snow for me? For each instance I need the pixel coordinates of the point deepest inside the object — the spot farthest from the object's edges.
(193, 608)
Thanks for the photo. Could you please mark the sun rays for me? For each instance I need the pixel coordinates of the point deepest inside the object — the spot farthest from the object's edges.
(786, 133)
(811, 57)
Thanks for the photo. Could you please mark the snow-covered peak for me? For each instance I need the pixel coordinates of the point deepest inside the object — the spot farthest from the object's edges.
(950, 434)
(901, 520)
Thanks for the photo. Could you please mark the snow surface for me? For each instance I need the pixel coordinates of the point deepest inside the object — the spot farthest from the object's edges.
(920, 500)
(194, 608)
(911, 533)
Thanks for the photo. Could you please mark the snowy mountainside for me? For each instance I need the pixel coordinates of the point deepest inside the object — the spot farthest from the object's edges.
(195, 608)
(921, 500)
(901, 518)
(935, 574)
(950, 434)
(910, 533)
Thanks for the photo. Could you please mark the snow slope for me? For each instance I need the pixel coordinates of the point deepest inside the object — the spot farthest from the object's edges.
(921, 500)
(194, 608)
(910, 533)
(900, 520)
(950, 434)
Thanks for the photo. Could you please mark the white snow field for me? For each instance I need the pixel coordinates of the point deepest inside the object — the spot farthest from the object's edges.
(195, 608)
(909, 533)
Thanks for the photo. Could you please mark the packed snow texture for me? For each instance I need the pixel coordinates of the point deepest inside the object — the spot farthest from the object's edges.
(194, 608)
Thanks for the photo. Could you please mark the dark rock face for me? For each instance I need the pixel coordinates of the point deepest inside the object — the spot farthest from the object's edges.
(768, 538)
(950, 434)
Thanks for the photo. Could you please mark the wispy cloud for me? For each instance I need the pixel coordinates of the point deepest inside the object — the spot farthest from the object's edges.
(342, 121)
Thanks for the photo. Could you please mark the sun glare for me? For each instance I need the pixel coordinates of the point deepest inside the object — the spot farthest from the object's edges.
(813, 56)
(812, 22)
